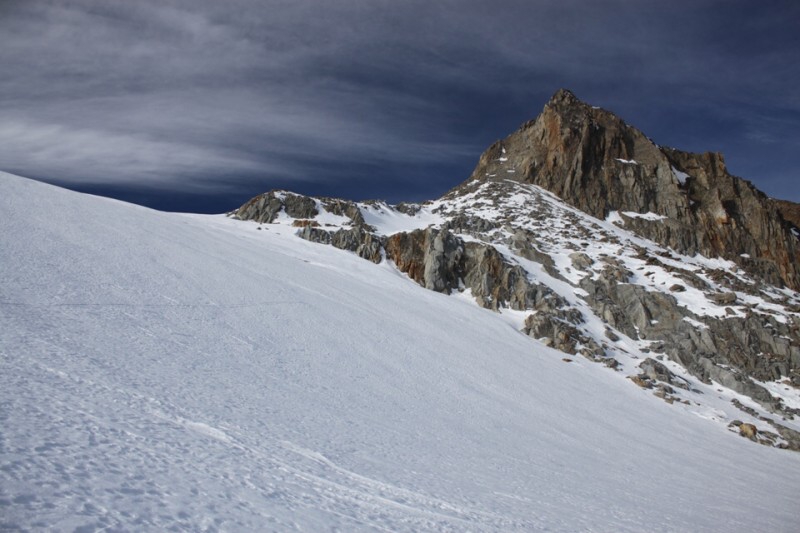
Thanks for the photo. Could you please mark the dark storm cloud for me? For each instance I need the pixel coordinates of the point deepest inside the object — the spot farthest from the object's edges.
(393, 99)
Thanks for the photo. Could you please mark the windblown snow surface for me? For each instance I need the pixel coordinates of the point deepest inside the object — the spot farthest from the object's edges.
(183, 372)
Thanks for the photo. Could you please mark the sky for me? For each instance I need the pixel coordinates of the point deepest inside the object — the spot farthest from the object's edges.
(198, 105)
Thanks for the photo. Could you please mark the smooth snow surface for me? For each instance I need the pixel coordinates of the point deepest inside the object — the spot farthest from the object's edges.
(186, 372)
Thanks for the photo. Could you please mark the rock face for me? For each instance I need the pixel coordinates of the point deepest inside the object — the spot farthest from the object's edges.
(440, 261)
(358, 240)
(789, 210)
(265, 207)
(729, 351)
(596, 242)
(594, 161)
(443, 262)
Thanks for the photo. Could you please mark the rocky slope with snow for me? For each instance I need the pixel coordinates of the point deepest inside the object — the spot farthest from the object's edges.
(653, 262)
(596, 162)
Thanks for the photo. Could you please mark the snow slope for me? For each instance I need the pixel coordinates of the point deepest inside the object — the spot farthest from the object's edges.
(193, 372)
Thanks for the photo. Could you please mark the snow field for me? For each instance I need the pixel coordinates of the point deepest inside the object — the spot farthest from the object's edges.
(187, 372)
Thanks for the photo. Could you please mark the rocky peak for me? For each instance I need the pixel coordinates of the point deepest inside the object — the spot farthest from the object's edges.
(564, 97)
(594, 161)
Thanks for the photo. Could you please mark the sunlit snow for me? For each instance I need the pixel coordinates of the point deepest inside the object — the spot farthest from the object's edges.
(189, 372)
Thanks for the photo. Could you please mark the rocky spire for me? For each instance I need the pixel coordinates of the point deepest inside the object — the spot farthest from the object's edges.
(596, 162)
(564, 97)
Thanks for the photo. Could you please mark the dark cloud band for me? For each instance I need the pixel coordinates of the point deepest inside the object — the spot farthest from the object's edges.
(392, 99)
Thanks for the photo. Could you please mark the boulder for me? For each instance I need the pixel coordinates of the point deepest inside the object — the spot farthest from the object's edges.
(748, 430)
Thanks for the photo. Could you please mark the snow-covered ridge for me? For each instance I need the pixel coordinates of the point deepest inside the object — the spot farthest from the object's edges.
(575, 251)
(562, 233)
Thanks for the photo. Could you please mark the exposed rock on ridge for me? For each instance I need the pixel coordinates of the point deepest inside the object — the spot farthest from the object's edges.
(594, 161)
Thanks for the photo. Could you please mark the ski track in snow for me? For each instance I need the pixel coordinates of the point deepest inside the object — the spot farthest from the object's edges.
(183, 372)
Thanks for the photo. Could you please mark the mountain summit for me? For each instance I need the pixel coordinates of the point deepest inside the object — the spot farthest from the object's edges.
(593, 240)
(593, 160)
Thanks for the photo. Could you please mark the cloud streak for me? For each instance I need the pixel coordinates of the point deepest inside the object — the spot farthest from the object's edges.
(390, 99)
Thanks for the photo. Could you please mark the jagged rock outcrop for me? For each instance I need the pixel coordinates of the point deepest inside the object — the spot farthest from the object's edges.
(657, 371)
(432, 258)
(344, 208)
(262, 208)
(439, 260)
(594, 161)
(357, 240)
(729, 351)
(560, 329)
(265, 207)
